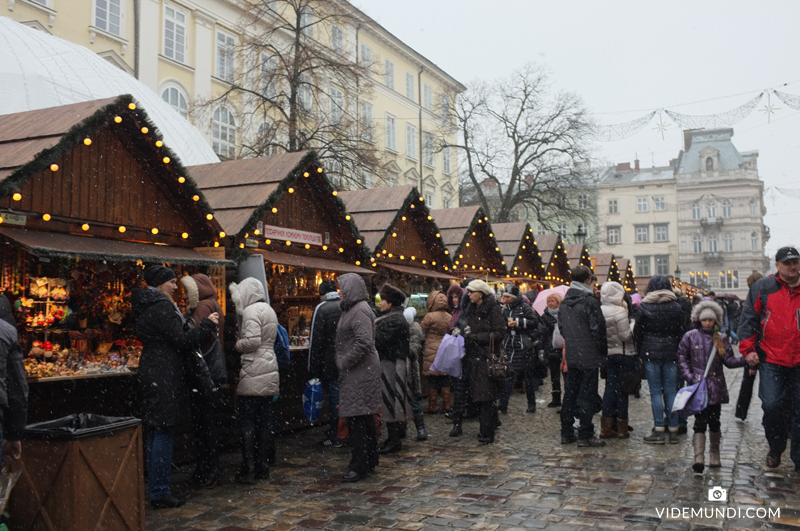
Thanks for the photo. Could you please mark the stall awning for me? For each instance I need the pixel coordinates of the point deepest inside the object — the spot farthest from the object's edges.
(417, 271)
(312, 262)
(57, 245)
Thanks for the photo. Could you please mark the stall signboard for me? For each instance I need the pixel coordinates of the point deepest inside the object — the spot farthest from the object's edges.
(292, 235)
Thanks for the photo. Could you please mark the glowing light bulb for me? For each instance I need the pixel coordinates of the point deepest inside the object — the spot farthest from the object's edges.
(117, 119)
(288, 242)
(195, 198)
(132, 106)
(166, 160)
(159, 143)
(305, 174)
(46, 217)
(181, 180)
(154, 230)
(17, 196)
(122, 228)
(54, 167)
(87, 141)
(185, 235)
(209, 217)
(291, 190)
(85, 226)
(274, 210)
(256, 232)
(319, 170)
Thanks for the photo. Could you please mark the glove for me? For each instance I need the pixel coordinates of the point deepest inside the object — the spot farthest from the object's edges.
(467, 330)
(456, 332)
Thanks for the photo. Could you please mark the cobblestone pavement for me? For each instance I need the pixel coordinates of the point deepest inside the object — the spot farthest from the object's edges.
(526, 480)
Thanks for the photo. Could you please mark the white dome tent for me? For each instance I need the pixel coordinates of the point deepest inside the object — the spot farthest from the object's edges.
(38, 71)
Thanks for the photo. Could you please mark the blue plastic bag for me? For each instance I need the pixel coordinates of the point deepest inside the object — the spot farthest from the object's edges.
(281, 347)
(312, 399)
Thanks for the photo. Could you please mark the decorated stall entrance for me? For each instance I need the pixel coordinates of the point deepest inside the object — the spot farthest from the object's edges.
(469, 238)
(521, 253)
(554, 259)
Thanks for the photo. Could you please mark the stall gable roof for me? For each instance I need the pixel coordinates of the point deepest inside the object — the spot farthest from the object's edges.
(548, 246)
(511, 237)
(457, 224)
(575, 252)
(604, 266)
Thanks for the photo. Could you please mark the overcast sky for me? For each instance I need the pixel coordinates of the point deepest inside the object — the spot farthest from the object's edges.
(691, 57)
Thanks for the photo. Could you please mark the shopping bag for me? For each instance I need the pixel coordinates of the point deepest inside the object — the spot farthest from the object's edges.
(7, 481)
(312, 399)
(448, 357)
(693, 399)
(281, 347)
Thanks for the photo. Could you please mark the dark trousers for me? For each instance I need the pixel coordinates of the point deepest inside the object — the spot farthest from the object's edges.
(530, 388)
(364, 443)
(488, 419)
(555, 374)
(615, 402)
(708, 418)
(778, 387)
(331, 390)
(580, 400)
(438, 381)
(745, 393)
(460, 394)
(207, 412)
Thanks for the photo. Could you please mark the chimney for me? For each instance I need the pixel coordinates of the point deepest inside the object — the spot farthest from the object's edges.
(624, 166)
(636, 165)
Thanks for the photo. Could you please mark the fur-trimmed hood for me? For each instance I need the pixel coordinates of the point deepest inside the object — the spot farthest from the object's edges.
(198, 287)
(248, 291)
(709, 304)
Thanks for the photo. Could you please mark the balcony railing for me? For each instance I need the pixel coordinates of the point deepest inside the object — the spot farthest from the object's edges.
(711, 223)
(712, 258)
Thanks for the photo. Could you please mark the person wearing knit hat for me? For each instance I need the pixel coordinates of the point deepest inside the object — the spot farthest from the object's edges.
(480, 286)
(322, 355)
(327, 286)
(155, 275)
(694, 351)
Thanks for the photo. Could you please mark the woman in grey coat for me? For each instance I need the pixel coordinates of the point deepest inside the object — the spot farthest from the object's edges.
(359, 375)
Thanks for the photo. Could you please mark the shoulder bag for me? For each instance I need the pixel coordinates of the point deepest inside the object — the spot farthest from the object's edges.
(499, 366)
(693, 399)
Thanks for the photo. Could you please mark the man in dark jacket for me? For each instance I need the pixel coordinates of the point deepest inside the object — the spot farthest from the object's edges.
(522, 344)
(13, 386)
(581, 323)
(322, 354)
(769, 333)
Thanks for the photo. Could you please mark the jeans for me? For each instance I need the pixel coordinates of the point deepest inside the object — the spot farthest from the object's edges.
(158, 455)
(615, 402)
(530, 388)
(580, 400)
(331, 388)
(778, 387)
(662, 379)
(745, 393)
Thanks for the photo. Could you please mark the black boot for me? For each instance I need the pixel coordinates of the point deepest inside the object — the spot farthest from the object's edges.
(456, 431)
(556, 399)
(392, 444)
(247, 471)
(488, 420)
(262, 457)
(403, 430)
(419, 422)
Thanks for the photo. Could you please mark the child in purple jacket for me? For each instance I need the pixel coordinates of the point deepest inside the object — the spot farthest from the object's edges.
(693, 352)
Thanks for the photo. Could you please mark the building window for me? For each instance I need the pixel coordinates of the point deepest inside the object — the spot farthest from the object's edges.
(427, 97)
(305, 98)
(712, 244)
(697, 244)
(641, 204)
(753, 207)
(391, 132)
(176, 100)
(613, 206)
(427, 145)
(428, 195)
(642, 266)
(661, 232)
(336, 106)
(366, 121)
(107, 16)
(562, 202)
(337, 39)
(174, 34)
(446, 202)
(411, 142)
(662, 265)
(541, 230)
(226, 56)
(712, 210)
(660, 203)
(728, 239)
(613, 235)
(727, 208)
(223, 133)
(444, 103)
(307, 21)
(410, 86)
(729, 279)
(389, 74)
(754, 241)
(366, 56)
(642, 233)
(266, 138)
(562, 230)
(695, 210)
(269, 66)
(709, 164)
(446, 160)
(583, 201)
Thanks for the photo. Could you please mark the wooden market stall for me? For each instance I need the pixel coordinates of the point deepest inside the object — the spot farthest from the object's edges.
(627, 278)
(284, 209)
(521, 253)
(606, 268)
(554, 258)
(578, 253)
(469, 238)
(398, 229)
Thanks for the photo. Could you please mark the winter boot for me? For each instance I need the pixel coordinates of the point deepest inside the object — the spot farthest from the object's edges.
(713, 449)
(403, 428)
(622, 429)
(262, 456)
(456, 431)
(247, 470)
(419, 422)
(672, 436)
(657, 437)
(392, 444)
(431, 403)
(556, 402)
(699, 444)
(605, 429)
(488, 423)
(446, 400)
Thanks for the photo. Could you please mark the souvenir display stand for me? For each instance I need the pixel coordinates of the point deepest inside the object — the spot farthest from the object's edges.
(469, 237)
(284, 209)
(554, 258)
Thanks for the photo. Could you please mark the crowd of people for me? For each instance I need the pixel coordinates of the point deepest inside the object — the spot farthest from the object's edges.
(372, 359)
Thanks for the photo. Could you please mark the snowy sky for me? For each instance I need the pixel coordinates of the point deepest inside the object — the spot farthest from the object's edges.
(692, 57)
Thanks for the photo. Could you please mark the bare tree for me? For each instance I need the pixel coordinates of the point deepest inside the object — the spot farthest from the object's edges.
(297, 84)
(523, 147)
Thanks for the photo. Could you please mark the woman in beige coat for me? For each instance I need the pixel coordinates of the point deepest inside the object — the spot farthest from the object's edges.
(621, 359)
(435, 324)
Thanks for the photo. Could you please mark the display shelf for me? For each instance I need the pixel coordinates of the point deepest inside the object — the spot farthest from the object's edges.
(293, 349)
(79, 377)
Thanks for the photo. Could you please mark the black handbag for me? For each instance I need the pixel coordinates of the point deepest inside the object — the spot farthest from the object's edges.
(499, 366)
(198, 376)
(631, 381)
(215, 361)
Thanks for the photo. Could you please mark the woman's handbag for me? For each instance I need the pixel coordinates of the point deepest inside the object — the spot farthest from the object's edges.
(693, 399)
(449, 356)
(215, 361)
(499, 366)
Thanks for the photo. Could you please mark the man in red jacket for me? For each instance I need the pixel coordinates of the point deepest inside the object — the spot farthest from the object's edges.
(769, 329)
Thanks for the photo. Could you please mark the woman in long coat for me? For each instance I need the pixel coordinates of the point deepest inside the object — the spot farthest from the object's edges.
(435, 324)
(359, 375)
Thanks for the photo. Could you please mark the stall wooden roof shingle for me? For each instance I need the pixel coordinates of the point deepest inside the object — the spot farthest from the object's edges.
(457, 226)
(511, 238)
(554, 256)
(577, 253)
(627, 278)
(606, 268)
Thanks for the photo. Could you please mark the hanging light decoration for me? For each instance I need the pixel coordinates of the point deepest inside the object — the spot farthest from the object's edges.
(118, 119)
(87, 141)
(145, 130)
(46, 217)
(85, 226)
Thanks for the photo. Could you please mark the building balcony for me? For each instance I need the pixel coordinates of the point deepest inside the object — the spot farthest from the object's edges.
(713, 258)
(711, 223)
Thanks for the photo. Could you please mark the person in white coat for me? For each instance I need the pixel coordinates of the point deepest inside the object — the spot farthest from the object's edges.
(621, 359)
(259, 380)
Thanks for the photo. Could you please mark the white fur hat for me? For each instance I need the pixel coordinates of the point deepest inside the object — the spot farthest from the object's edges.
(708, 310)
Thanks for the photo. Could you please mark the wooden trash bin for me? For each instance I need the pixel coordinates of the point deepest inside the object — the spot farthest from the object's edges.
(80, 472)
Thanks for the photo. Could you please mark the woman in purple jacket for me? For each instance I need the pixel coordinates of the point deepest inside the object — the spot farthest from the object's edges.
(695, 348)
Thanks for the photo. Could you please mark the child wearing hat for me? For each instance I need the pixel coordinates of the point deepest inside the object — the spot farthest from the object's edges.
(694, 351)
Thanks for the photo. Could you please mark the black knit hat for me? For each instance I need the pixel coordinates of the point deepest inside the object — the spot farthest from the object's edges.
(392, 295)
(155, 275)
(512, 291)
(327, 286)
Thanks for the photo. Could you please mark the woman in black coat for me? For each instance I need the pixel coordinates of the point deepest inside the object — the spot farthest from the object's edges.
(166, 341)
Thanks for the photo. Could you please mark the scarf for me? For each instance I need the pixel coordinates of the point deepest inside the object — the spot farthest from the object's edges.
(659, 296)
(583, 287)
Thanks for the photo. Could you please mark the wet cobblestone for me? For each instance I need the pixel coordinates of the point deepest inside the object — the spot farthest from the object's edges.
(526, 480)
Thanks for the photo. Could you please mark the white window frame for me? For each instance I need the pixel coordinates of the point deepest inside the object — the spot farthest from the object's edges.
(642, 233)
(613, 235)
(365, 56)
(444, 104)
(446, 202)
(659, 230)
(427, 97)
(95, 20)
(446, 160)
(661, 268)
(367, 179)
(727, 240)
(367, 122)
(696, 214)
(753, 207)
(411, 141)
(541, 230)
(713, 246)
(727, 208)
(337, 39)
(388, 74)
(583, 201)
(643, 266)
(697, 244)
(391, 132)
(659, 203)
(641, 204)
(179, 94)
(754, 241)
(427, 146)
(176, 24)
(222, 145)
(563, 230)
(410, 86)
(225, 55)
(613, 206)
(429, 196)
(711, 210)
(307, 21)
(336, 99)
(729, 279)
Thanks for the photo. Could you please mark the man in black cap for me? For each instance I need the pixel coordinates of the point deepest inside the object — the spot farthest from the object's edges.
(769, 331)
(322, 354)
